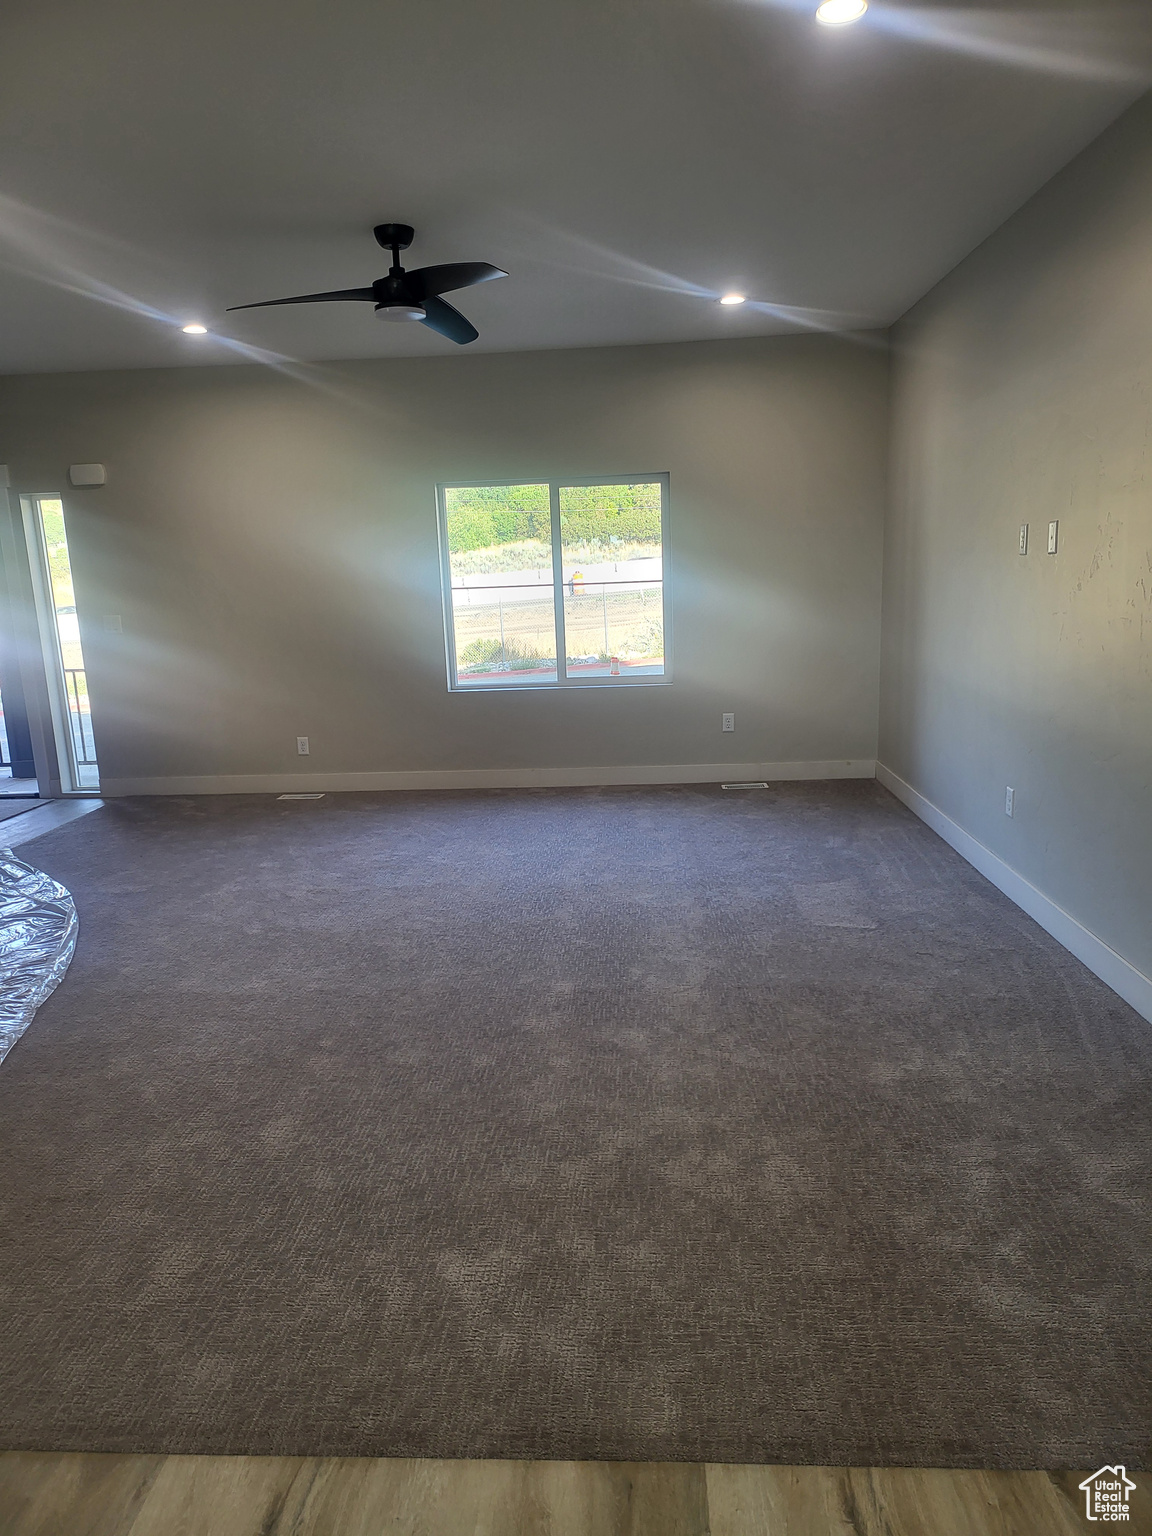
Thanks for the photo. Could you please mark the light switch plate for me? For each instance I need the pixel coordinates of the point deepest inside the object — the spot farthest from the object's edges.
(1053, 532)
(1023, 538)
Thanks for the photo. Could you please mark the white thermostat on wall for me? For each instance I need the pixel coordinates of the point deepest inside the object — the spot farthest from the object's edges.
(87, 474)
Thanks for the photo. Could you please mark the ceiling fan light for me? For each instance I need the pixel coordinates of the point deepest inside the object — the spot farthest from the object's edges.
(400, 311)
(734, 298)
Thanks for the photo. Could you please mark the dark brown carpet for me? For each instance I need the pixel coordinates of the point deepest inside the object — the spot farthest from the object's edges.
(659, 1123)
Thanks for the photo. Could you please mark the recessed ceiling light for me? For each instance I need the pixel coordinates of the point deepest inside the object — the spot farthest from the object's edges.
(840, 13)
(733, 298)
(195, 329)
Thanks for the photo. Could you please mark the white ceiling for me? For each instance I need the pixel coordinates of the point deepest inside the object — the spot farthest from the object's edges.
(625, 160)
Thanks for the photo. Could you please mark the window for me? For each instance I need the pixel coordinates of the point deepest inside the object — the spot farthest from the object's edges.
(555, 584)
(67, 679)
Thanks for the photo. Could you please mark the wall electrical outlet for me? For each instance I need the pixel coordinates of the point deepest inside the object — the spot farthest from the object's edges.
(1009, 801)
(302, 745)
(727, 722)
(1053, 531)
(1023, 538)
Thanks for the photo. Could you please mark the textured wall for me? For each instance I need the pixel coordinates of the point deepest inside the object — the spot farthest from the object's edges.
(270, 543)
(1022, 394)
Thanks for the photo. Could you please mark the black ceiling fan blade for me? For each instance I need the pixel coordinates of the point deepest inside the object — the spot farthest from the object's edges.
(428, 282)
(439, 316)
(310, 298)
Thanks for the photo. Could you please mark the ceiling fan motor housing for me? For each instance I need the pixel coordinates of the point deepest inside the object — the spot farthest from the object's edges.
(393, 300)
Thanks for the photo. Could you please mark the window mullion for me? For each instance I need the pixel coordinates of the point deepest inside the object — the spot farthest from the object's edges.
(558, 583)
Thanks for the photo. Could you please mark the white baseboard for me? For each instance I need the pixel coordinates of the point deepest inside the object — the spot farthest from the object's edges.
(485, 778)
(1116, 972)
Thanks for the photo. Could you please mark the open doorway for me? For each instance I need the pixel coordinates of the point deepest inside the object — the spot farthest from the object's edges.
(47, 740)
(19, 666)
(17, 769)
(17, 764)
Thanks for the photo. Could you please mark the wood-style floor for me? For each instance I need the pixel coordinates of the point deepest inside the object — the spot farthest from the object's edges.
(44, 1494)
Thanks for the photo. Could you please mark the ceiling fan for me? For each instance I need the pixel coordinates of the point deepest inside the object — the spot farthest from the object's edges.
(408, 295)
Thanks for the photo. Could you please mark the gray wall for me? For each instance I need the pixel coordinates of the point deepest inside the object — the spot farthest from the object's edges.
(1023, 393)
(270, 543)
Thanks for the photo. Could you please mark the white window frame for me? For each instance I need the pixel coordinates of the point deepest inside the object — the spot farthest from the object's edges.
(562, 679)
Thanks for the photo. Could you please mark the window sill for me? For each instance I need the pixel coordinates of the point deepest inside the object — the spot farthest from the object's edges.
(579, 684)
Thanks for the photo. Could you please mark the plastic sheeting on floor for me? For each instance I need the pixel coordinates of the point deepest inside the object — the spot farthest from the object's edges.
(37, 936)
